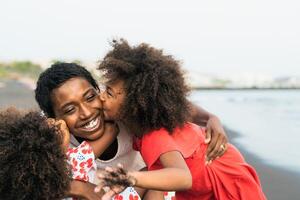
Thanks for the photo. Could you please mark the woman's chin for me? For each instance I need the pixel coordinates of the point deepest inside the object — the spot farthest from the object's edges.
(96, 135)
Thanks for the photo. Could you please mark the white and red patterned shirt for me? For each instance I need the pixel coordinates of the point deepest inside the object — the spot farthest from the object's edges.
(82, 161)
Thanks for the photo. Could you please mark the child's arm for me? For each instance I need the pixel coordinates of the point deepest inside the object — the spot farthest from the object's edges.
(175, 176)
(100, 145)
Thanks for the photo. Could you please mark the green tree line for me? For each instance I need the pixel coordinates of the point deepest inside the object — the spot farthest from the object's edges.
(20, 68)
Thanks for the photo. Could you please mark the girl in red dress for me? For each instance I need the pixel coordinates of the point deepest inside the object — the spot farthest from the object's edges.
(153, 106)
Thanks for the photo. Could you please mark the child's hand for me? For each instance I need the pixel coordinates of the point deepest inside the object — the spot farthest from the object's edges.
(114, 181)
(61, 129)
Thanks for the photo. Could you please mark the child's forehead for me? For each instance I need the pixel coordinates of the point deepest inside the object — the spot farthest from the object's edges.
(117, 84)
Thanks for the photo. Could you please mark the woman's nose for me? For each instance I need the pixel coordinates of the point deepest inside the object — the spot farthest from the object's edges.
(85, 111)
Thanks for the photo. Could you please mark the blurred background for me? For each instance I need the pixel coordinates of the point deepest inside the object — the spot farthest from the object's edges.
(241, 57)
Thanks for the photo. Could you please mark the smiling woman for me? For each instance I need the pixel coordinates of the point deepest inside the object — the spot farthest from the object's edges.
(76, 102)
(67, 91)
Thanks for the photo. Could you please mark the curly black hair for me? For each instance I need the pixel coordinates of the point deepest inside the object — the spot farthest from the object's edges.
(53, 78)
(154, 85)
(32, 165)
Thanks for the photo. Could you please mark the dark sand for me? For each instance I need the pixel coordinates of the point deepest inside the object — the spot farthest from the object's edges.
(13, 93)
(278, 183)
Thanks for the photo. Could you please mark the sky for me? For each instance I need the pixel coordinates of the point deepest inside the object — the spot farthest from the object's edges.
(213, 37)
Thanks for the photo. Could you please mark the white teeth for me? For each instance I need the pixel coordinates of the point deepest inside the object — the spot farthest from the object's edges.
(91, 124)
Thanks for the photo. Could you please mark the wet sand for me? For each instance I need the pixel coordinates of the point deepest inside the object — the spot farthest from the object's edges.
(278, 183)
(14, 93)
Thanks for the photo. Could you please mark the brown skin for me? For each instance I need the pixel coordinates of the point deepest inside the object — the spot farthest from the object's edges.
(84, 190)
(62, 129)
(77, 103)
(174, 176)
(114, 96)
(215, 134)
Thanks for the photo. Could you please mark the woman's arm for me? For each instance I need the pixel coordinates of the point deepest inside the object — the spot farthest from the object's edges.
(198, 115)
(84, 190)
(215, 134)
(100, 145)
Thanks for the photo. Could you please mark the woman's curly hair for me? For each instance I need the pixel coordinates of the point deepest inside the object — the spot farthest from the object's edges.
(32, 165)
(154, 85)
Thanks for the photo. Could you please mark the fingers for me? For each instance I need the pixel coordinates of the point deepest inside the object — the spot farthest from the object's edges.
(108, 195)
(114, 176)
(51, 122)
(218, 150)
(215, 144)
(212, 145)
(99, 187)
(62, 124)
(119, 165)
(114, 181)
(218, 137)
(109, 190)
(208, 136)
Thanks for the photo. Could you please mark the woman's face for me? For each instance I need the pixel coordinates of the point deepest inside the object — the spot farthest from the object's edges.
(113, 98)
(77, 102)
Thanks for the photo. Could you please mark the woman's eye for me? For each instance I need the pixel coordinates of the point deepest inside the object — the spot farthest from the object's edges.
(69, 110)
(91, 97)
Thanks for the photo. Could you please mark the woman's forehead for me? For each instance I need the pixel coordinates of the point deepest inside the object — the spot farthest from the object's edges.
(73, 88)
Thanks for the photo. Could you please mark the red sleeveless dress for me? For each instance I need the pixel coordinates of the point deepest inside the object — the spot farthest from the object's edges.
(226, 178)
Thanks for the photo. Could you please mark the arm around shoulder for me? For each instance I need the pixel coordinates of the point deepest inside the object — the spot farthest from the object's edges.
(109, 135)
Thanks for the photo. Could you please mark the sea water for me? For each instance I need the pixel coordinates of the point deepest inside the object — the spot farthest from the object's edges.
(268, 121)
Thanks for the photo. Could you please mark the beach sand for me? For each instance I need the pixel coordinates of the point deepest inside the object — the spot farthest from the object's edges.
(278, 183)
(15, 93)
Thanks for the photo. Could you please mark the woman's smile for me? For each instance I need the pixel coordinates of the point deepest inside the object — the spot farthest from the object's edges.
(92, 125)
(77, 102)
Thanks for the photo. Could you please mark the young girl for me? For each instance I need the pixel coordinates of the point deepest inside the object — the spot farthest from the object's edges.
(33, 165)
(153, 106)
